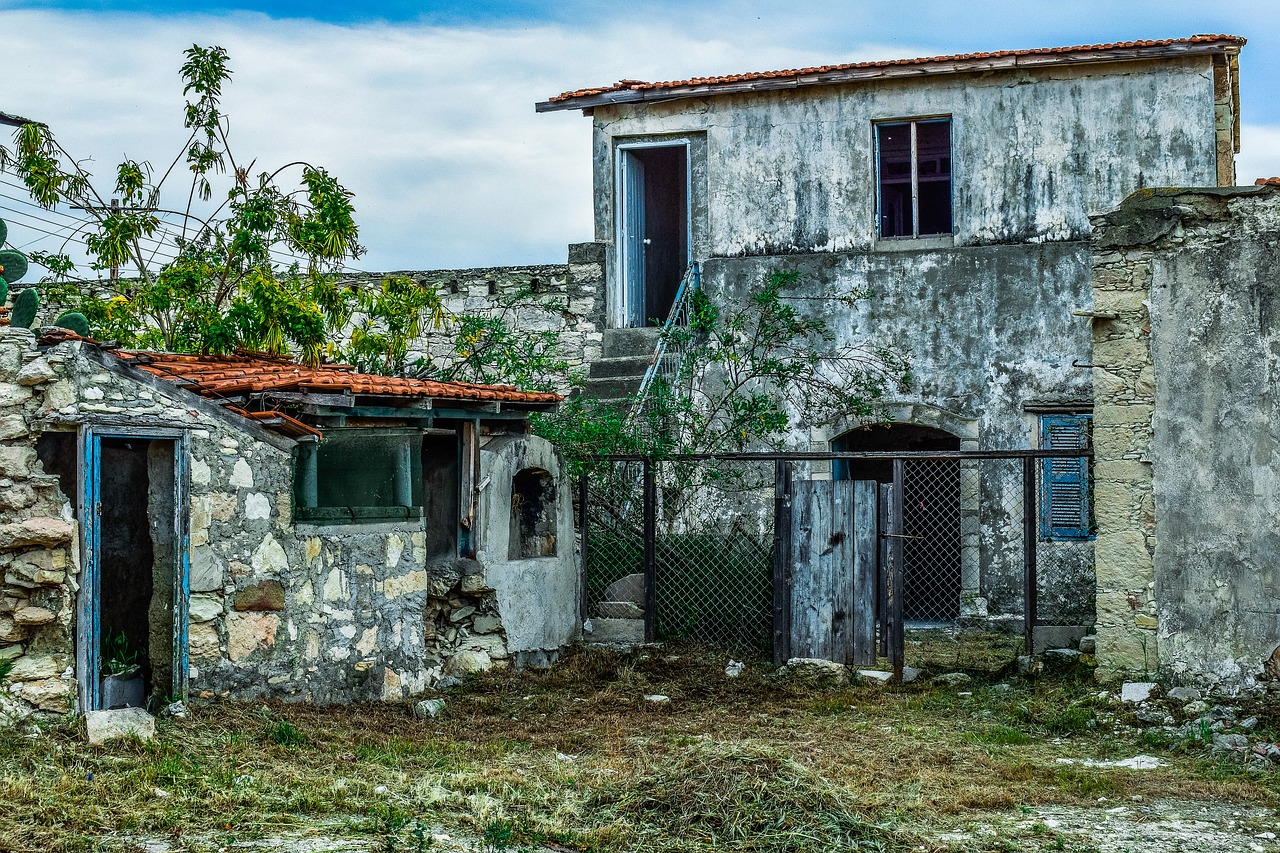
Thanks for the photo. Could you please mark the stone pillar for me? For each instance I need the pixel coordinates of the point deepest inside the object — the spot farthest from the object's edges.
(37, 547)
(1124, 398)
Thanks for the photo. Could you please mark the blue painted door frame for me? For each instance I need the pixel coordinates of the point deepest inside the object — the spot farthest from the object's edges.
(88, 608)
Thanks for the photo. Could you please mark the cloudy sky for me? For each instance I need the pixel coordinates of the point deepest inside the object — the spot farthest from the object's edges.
(425, 110)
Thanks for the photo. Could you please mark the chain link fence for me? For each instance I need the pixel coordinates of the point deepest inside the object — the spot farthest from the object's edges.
(975, 530)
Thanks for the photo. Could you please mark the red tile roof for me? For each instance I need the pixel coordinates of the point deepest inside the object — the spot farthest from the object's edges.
(1267, 182)
(224, 375)
(944, 64)
(221, 376)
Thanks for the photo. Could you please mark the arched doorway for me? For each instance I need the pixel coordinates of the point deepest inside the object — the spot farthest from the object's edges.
(930, 510)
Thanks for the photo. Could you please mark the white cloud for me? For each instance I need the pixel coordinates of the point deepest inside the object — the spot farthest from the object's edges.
(433, 128)
(1259, 155)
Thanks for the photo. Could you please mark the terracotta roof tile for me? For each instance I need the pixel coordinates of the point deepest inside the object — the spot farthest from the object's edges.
(248, 372)
(224, 375)
(640, 85)
(1267, 182)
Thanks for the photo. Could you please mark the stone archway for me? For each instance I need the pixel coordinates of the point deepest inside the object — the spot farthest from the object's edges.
(932, 504)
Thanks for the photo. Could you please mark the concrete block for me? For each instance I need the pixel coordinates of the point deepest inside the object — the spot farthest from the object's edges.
(103, 726)
(616, 631)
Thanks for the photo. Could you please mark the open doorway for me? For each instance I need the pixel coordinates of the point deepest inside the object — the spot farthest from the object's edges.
(132, 631)
(931, 553)
(653, 229)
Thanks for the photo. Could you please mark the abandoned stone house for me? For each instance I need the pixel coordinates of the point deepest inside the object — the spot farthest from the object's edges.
(958, 191)
(175, 517)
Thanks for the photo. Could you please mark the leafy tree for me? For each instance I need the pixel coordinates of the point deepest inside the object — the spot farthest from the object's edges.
(490, 348)
(257, 272)
(738, 380)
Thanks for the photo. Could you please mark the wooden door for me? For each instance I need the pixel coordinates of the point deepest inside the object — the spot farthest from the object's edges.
(833, 573)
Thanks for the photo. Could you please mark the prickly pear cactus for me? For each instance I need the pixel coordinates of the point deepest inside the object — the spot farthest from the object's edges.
(4, 292)
(75, 321)
(13, 264)
(25, 307)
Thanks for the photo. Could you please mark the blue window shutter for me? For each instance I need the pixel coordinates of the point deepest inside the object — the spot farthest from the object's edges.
(1065, 494)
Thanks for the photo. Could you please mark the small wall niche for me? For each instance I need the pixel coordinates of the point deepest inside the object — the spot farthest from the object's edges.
(533, 515)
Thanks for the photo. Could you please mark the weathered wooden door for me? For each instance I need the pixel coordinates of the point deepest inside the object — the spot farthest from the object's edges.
(834, 540)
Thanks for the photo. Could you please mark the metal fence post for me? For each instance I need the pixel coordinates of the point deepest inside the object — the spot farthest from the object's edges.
(583, 559)
(650, 553)
(781, 561)
(1030, 605)
(897, 635)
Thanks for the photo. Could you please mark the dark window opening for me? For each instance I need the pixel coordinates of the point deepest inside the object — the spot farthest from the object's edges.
(533, 515)
(930, 512)
(355, 475)
(58, 453)
(1066, 488)
(440, 488)
(136, 560)
(914, 178)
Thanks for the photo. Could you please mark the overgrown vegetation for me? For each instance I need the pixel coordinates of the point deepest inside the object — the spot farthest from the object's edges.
(239, 260)
(576, 759)
(745, 377)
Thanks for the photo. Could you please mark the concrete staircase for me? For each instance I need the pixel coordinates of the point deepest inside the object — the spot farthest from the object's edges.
(624, 358)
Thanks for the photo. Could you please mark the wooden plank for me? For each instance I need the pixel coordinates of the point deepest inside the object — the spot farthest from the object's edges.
(467, 488)
(882, 571)
(802, 569)
(897, 638)
(865, 548)
(822, 579)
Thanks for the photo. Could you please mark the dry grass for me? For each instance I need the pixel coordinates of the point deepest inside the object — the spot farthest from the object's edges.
(577, 758)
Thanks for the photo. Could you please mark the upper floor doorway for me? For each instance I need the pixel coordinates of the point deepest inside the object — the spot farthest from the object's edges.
(653, 230)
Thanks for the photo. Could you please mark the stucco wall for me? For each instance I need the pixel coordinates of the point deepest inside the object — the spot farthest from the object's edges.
(1034, 152)
(537, 596)
(1188, 477)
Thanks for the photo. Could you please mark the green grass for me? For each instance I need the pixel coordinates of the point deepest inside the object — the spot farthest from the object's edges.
(574, 756)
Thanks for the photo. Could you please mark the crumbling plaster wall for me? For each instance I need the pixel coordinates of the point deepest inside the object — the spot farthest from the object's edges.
(989, 331)
(532, 592)
(1035, 151)
(1187, 355)
(319, 614)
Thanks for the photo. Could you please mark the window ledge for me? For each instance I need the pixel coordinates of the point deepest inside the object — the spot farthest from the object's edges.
(914, 244)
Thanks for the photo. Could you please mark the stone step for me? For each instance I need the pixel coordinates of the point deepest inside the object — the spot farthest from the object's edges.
(611, 389)
(615, 631)
(630, 366)
(629, 343)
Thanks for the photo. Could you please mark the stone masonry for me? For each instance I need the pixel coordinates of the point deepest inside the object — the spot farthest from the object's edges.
(1186, 425)
(567, 299)
(277, 608)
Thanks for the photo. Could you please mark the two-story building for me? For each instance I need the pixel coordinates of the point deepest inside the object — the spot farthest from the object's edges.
(957, 189)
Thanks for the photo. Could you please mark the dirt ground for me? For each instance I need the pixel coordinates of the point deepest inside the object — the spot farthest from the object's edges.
(587, 758)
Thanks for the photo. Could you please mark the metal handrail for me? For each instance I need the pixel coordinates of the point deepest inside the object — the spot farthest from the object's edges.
(677, 316)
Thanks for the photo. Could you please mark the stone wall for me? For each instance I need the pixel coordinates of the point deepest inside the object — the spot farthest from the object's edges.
(1186, 426)
(567, 299)
(277, 608)
(39, 554)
